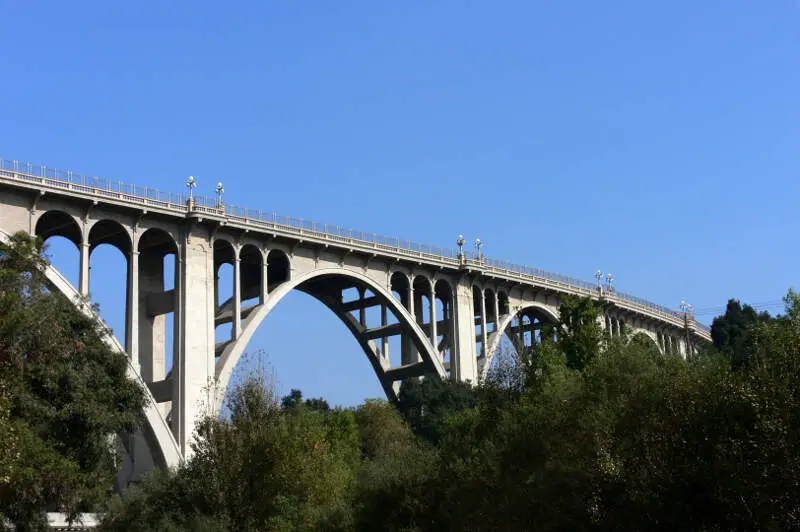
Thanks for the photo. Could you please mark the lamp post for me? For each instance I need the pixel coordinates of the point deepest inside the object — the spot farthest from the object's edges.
(219, 190)
(599, 276)
(460, 244)
(687, 309)
(479, 245)
(609, 282)
(191, 184)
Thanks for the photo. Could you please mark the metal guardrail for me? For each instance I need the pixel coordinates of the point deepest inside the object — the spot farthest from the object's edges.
(178, 202)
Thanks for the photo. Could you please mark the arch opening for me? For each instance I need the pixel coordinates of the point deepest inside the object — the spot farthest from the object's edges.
(224, 287)
(59, 223)
(278, 269)
(110, 275)
(62, 237)
(251, 264)
(446, 326)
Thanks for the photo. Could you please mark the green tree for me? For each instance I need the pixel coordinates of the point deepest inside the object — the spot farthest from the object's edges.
(396, 479)
(63, 394)
(426, 404)
(732, 331)
(579, 333)
(264, 468)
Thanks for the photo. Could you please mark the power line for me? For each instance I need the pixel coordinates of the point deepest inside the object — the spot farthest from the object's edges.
(763, 305)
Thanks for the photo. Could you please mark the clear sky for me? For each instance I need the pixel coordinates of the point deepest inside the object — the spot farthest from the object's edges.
(658, 142)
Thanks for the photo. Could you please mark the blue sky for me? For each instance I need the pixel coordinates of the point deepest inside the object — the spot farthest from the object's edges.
(659, 142)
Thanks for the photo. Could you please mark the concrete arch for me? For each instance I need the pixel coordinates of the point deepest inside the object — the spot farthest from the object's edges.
(163, 447)
(59, 223)
(158, 239)
(233, 351)
(279, 268)
(494, 339)
(109, 231)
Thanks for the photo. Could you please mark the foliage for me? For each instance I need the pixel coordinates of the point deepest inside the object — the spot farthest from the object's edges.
(732, 332)
(295, 399)
(584, 433)
(63, 394)
(265, 468)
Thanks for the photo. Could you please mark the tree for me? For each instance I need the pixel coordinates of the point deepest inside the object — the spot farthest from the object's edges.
(579, 333)
(63, 393)
(267, 467)
(731, 332)
(395, 488)
(426, 404)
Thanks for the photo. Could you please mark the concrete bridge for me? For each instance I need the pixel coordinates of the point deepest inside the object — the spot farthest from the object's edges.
(446, 311)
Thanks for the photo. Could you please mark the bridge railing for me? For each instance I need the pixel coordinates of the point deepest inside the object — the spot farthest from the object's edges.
(178, 202)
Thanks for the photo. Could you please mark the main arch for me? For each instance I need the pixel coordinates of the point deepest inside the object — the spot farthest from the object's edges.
(326, 285)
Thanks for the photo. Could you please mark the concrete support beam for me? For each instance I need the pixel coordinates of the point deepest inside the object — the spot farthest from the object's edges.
(371, 301)
(219, 347)
(226, 316)
(159, 303)
(161, 390)
(417, 369)
(383, 331)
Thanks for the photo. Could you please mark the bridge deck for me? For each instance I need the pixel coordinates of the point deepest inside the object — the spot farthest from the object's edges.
(43, 179)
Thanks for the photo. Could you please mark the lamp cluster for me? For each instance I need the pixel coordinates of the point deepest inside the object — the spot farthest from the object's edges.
(478, 245)
(191, 184)
(609, 284)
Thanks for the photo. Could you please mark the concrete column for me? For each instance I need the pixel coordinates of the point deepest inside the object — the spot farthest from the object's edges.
(216, 288)
(264, 280)
(453, 332)
(151, 329)
(463, 360)
(84, 267)
(385, 339)
(484, 334)
(237, 297)
(434, 333)
(132, 310)
(362, 312)
(410, 355)
(193, 371)
(411, 309)
(496, 311)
